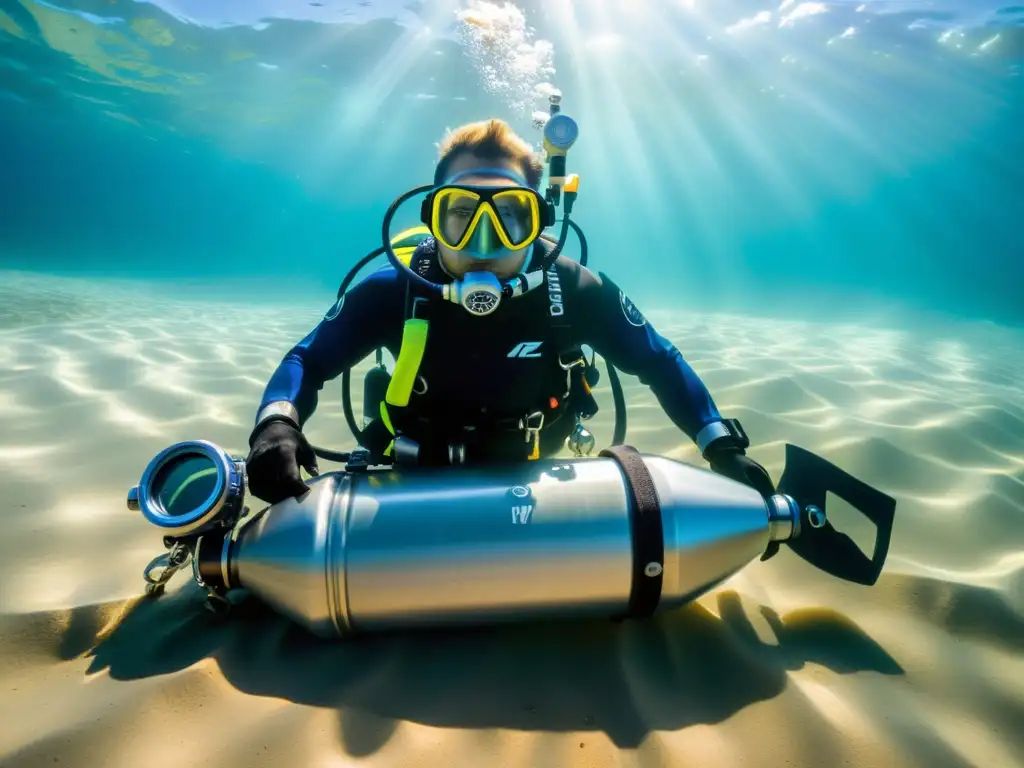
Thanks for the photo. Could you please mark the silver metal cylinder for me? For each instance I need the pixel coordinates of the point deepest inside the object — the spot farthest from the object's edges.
(414, 547)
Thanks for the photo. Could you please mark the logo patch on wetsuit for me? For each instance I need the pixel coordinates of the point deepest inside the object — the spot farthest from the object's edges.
(422, 265)
(629, 309)
(526, 349)
(556, 306)
(336, 309)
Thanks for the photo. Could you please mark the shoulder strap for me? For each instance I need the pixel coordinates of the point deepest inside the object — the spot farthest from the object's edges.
(424, 264)
(384, 431)
(570, 353)
(559, 323)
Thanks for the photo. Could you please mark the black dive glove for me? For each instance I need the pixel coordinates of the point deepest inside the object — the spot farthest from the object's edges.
(277, 450)
(728, 459)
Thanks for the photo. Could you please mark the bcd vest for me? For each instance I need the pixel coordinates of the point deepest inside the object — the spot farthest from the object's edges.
(508, 385)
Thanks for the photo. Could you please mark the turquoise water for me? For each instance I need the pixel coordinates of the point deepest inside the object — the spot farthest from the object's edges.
(789, 162)
(777, 159)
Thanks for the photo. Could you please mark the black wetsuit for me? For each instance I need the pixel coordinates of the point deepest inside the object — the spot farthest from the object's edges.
(489, 372)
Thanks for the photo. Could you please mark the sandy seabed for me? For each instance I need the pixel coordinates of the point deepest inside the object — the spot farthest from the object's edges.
(781, 665)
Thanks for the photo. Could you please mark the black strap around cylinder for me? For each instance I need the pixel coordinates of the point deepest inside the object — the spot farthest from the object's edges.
(209, 551)
(646, 528)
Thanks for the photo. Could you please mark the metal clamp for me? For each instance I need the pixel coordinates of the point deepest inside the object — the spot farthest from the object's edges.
(359, 460)
(456, 454)
(171, 562)
(531, 425)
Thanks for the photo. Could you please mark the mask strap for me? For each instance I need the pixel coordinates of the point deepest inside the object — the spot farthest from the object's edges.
(504, 173)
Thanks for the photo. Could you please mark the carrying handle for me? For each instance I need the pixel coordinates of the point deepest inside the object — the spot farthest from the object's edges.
(807, 479)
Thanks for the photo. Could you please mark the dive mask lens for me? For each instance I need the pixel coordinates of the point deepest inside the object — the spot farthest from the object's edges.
(519, 215)
(454, 210)
(485, 221)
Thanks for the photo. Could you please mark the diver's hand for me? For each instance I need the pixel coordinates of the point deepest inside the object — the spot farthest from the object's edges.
(731, 461)
(277, 450)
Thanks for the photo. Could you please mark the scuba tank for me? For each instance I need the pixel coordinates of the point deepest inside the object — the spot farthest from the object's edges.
(622, 535)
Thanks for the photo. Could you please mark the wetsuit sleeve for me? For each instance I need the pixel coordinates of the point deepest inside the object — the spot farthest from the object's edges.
(605, 319)
(354, 326)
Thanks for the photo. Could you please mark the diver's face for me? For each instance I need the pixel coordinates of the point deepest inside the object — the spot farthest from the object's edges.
(457, 263)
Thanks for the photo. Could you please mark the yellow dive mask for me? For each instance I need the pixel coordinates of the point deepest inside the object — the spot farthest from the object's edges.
(486, 221)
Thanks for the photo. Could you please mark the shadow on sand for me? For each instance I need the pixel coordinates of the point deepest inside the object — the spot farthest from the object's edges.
(681, 668)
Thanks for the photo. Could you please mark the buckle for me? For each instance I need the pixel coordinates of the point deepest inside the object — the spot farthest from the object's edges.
(358, 461)
(737, 433)
(417, 301)
(533, 422)
(531, 425)
(580, 360)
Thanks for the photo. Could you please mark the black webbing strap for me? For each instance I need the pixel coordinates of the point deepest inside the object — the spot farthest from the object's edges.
(646, 528)
(560, 327)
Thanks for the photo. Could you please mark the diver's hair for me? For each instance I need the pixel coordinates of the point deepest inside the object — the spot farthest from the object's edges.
(489, 140)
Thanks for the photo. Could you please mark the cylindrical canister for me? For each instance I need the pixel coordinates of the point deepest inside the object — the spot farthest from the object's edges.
(414, 547)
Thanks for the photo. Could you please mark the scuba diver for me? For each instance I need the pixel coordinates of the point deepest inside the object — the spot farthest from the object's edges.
(486, 321)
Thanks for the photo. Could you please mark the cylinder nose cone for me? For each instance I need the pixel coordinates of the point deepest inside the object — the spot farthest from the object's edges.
(281, 555)
(713, 527)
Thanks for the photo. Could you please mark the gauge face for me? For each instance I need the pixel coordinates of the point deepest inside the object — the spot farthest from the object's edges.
(190, 487)
(185, 484)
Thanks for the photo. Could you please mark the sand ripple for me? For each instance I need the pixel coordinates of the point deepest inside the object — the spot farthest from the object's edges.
(779, 666)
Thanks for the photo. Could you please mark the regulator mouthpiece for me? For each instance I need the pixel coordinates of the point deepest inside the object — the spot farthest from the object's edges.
(479, 293)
